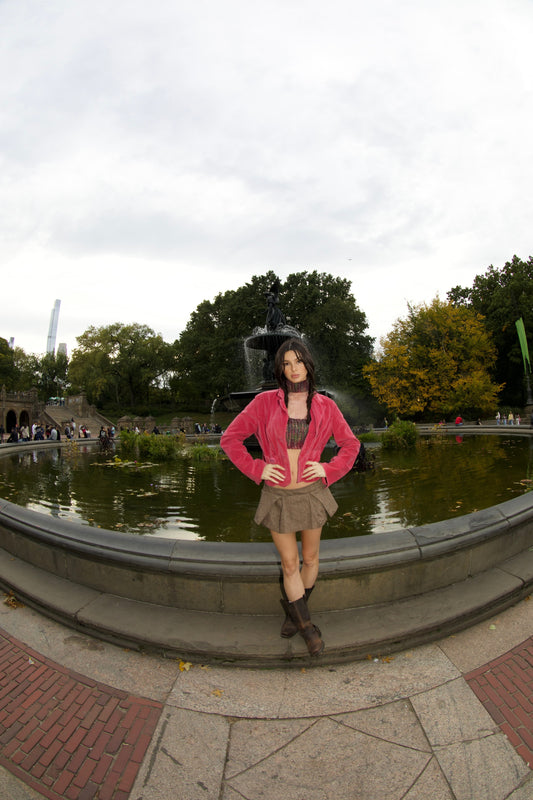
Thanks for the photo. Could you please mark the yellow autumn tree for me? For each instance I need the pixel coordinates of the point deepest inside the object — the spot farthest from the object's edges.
(435, 363)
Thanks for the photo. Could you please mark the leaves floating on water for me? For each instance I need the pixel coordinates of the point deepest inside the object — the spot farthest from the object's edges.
(137, 493)
(118, 463)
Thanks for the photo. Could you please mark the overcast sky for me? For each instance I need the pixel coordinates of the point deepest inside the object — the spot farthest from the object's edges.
(153, 155)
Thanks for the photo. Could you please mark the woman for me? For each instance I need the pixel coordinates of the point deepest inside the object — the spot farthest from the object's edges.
(293, 425)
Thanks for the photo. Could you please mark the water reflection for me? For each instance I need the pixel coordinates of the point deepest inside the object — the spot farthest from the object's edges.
(443, 479)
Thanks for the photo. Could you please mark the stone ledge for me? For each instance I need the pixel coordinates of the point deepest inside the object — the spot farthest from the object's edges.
(247, 639)
(225, 577)
(188, 597)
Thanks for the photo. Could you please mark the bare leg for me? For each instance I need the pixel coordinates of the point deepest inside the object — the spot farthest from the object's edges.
(310, 556)
(287, 547)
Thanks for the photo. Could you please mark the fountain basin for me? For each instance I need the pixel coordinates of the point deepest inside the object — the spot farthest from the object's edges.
(220, 601)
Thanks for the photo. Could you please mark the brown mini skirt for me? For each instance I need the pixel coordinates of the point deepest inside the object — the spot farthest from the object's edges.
(292, 510)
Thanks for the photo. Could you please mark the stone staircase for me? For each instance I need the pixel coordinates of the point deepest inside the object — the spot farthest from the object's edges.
(62, 416)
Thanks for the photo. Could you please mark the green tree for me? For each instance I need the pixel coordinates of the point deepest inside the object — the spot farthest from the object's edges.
(324, 309)
(27, 370)
(435, 363)
(7, 365)
(502, 296)
(119, 363)
(210, 350)
(20, 371)
(211, 353)
(52, 377)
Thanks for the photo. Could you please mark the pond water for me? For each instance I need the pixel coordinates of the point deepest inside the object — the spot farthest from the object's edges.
(446, 476)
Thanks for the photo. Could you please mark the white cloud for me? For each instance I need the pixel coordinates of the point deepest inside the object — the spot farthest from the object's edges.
(153, 156)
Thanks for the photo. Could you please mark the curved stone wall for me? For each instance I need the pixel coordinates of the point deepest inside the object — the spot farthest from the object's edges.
(62, 567)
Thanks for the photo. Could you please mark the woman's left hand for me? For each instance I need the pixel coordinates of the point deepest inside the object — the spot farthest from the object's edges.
(313, 470)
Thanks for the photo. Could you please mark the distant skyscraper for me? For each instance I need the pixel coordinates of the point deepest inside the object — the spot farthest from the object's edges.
(62, 348)
(52, 330)
(12, 343)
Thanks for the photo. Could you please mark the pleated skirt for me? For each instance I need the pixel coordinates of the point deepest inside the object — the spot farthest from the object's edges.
(293, 510)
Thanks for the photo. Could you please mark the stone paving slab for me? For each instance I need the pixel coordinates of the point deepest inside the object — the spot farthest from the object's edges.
(320, 690)
(481, 643)
(332, 759)
(463, 736)
(402, 727)
(187, 757)
(11, 788)
(65, 734)
(483, 769)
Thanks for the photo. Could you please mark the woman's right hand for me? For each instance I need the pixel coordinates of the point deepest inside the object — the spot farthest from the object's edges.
(273, 472)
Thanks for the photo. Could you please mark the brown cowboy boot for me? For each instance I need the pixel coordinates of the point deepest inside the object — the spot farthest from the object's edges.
(310, 633)
(289, 628)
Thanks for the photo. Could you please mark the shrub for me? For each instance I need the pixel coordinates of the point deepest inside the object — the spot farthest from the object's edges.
(151, 446)
(163, 448)
(203, 452)
(371, 436)
(401, 435)
(154, 447)
(128, 443)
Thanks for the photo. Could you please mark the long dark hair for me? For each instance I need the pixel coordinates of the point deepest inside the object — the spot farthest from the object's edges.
(299, 347)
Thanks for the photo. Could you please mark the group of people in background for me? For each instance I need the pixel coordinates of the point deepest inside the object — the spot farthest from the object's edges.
(199, 429)
(509, 419)
(39, 432)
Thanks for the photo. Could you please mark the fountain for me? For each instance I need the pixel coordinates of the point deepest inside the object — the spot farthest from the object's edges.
(267, 340)
(219, 601)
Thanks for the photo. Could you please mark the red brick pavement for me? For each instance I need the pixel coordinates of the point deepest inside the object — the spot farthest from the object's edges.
(505, 687)
(66, 735)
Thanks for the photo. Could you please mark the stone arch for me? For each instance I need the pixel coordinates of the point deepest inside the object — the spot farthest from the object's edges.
(24, 418)
(11, 420)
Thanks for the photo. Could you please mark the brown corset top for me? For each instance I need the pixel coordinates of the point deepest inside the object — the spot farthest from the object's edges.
(296, 432)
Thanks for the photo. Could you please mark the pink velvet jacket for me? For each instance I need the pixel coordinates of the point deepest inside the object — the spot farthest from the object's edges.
(266, 417)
